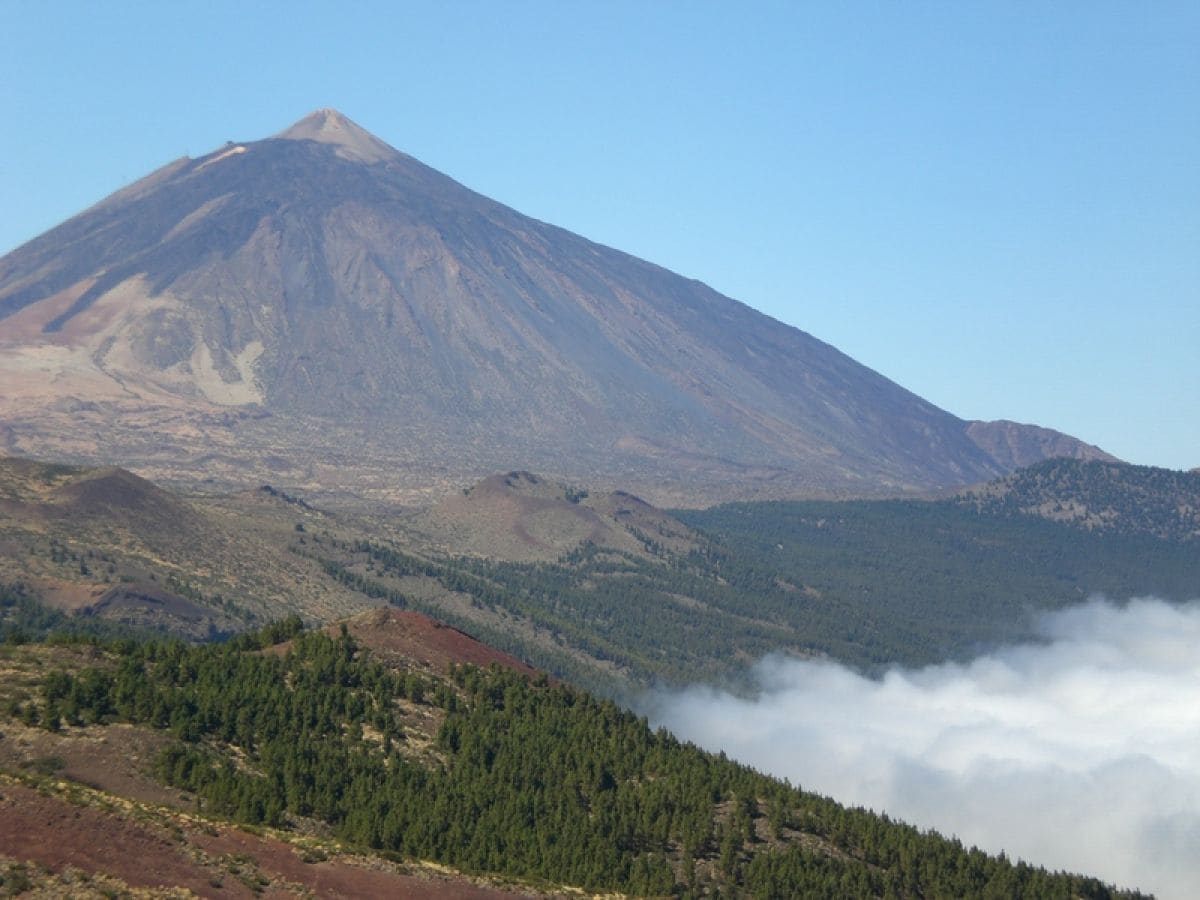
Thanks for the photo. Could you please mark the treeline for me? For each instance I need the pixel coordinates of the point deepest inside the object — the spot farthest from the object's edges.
(524, 779)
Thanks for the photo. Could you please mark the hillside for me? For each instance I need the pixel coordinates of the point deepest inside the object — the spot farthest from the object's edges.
(320, 311)
(348, 775)
(869, 583)
(85, 812)
(520, 516)
(1098, 497)
(407, 639)
(106, 544)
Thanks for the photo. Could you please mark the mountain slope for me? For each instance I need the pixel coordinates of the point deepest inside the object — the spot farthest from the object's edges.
(108, 544)
(481, 771)
(265, 307)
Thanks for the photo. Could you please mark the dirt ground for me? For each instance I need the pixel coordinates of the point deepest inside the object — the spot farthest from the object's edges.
(417, 638)
(56, 829)
(113, 758)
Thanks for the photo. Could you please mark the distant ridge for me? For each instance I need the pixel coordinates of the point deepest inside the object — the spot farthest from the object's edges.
(320, 311)
(1015, 446)
(1098, 496)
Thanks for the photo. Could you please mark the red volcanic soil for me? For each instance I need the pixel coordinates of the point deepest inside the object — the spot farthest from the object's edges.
(337, 878)
(115, 759)
(426, 641)
(54, 833)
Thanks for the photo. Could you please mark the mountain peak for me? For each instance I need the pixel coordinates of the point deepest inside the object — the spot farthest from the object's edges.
(321, 288)
(328, 126)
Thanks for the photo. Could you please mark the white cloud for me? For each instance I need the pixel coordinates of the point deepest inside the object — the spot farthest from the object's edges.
(1080, 753)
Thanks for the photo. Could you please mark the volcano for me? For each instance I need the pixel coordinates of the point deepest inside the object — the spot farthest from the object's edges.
(322, 310)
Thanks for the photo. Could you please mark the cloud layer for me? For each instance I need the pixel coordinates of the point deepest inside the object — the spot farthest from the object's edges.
(1079, 753)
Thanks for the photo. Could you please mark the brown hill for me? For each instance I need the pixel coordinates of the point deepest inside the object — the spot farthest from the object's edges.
(107, 543)
(103, 544)
(319, 310)
(410, 639)
(521, 516)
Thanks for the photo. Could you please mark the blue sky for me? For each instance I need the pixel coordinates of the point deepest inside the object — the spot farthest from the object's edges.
(997, 205)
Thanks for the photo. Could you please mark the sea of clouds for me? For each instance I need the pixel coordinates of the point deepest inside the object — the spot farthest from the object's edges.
(1079, 752)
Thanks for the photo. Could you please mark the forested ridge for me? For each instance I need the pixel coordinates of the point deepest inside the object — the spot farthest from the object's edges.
(1098, 496)
(524, 778)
